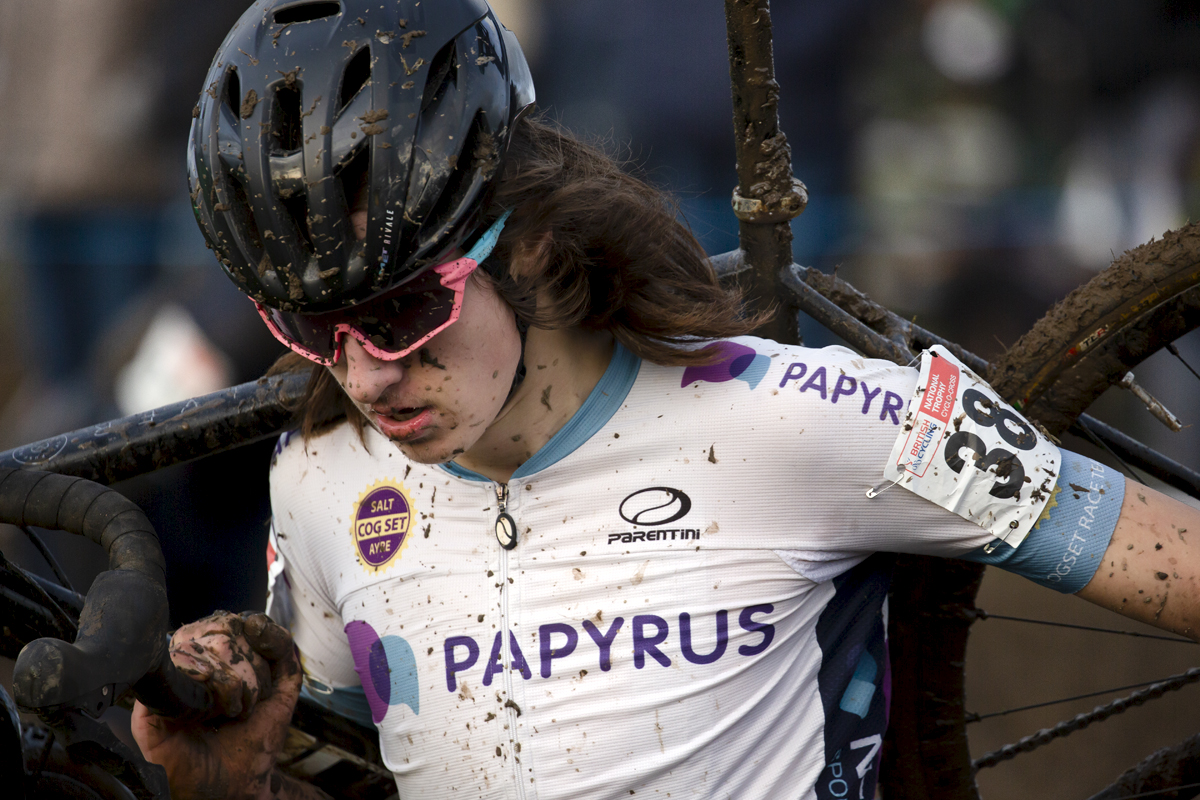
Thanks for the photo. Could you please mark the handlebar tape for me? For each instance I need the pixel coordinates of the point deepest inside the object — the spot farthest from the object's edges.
(123, 626)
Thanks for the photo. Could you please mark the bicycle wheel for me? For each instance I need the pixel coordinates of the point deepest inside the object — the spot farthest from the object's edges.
(1146, 299)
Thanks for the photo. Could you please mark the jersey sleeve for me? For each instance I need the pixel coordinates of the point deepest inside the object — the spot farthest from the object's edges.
(838, 417)
(844, 429)
(298, 599)
(314, 622)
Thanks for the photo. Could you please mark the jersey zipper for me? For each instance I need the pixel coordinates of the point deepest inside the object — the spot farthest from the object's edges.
(511, 709)
(506, 529)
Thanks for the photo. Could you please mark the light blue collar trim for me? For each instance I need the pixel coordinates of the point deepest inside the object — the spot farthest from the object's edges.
(599, 407)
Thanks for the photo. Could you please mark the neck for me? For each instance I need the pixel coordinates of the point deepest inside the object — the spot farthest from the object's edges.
(562, 367)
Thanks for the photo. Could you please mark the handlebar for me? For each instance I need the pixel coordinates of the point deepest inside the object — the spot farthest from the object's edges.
(122, 640)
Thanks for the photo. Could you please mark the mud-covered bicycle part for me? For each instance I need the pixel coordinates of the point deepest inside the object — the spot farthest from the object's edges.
(1171, 772)
(1146, 299)
(1137, 306)
(767, 196)
(174, 434)
(1149, 297)
(120, 641)
(1140, 304)
(36, 762)
(54, 771)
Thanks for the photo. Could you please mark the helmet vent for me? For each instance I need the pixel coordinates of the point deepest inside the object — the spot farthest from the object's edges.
(442, 72)
(286, 122)
(233, 92)
(476, 159)
(352, 177)
(296, 206)
(306, 12)
(357, 75)
(245, 219)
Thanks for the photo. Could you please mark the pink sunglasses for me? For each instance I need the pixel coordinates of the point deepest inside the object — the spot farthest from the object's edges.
(388, 327)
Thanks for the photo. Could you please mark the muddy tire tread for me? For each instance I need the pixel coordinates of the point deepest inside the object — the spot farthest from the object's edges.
(1148, 297)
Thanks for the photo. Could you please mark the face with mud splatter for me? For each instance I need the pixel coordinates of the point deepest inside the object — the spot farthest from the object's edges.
(438, 402)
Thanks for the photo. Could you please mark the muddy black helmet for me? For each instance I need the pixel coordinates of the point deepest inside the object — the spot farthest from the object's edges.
(308, 101)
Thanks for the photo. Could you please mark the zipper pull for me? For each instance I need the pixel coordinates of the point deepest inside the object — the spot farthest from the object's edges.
(506, 528)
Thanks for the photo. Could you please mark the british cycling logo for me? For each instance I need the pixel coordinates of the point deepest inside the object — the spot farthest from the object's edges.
(380, 525)
(651, 507)
(387, 668)
(738, 362)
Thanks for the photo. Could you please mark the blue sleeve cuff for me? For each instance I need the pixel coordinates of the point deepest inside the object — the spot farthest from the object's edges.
(1066, 546)
(350, 702)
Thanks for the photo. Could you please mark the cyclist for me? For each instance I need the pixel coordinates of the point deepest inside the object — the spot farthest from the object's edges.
(552, 522)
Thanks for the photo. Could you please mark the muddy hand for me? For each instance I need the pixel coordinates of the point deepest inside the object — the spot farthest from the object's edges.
(252, 668)
(229, 652)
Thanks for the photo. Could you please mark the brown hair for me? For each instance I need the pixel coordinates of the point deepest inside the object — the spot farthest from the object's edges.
(587, 244)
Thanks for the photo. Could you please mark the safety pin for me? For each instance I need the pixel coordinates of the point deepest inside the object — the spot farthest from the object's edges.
(875, 491)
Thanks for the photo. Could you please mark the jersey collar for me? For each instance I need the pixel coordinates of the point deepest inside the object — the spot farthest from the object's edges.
(596, 411)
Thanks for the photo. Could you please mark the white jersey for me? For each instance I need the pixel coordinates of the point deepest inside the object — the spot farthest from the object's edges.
(692, 607)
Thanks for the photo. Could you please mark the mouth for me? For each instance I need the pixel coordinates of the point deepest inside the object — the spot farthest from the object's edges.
(401, 414)
(404, 424)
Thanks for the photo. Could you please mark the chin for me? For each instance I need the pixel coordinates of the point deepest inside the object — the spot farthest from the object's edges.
(427, 452)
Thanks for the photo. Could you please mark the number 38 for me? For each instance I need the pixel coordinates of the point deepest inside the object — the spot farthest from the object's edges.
(1010, 474)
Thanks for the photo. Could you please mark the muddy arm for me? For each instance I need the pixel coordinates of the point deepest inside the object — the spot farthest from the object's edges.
(1151, 569)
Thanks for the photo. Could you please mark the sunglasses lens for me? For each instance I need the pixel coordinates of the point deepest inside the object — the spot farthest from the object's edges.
(307, 334)
(392, 323)
(397, 323)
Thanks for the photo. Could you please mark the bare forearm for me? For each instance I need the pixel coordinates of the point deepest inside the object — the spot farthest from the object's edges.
(1151, 570)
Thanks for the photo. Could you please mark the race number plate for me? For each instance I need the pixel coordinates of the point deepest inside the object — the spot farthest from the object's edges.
(965, 449)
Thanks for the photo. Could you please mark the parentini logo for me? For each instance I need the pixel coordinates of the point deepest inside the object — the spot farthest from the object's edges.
(381, 524)
(737, 362)
(658, 505)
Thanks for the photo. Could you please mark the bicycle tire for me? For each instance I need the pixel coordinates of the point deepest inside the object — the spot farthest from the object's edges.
(1146, 299)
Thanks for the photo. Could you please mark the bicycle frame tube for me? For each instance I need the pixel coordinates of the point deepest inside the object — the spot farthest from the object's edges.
(767, 197)
(134, 445)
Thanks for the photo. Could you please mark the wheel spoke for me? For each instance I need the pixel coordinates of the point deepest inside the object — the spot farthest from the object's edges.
(1173, 350)
(1096, 440)
(979, 613)
(973, 717)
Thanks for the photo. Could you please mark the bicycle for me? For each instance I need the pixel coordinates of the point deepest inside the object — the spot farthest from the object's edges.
(1121, 331)
(1166, 302)
(1089, 341)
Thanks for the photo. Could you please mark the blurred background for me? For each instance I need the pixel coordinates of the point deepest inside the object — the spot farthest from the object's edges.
(968, 163)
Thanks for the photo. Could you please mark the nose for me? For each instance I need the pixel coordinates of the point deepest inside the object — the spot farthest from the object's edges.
(366, 378)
